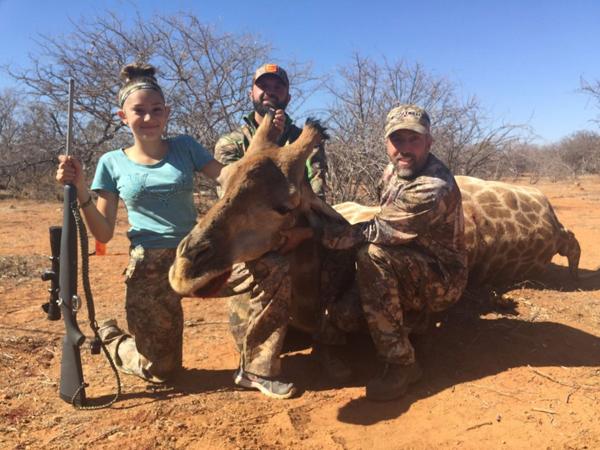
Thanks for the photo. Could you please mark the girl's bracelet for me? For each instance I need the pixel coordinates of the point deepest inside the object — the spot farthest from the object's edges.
(87, 203)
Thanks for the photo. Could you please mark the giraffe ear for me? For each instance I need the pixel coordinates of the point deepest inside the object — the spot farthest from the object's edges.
(261, 140)
(320, 208)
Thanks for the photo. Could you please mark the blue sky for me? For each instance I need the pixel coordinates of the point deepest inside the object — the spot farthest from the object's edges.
(522, 59)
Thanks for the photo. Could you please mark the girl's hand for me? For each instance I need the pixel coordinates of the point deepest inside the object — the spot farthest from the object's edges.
(70, 170)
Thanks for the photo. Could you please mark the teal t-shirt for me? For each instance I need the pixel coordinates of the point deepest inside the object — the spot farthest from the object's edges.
(158, 197)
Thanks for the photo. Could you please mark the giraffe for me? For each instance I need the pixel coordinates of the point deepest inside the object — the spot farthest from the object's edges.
(512, 232)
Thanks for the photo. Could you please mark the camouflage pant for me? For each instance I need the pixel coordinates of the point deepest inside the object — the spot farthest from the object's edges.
(393, 282)
(260, 318)
(154, 318)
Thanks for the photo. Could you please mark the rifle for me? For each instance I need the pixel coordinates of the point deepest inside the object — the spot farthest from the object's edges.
(72, 386)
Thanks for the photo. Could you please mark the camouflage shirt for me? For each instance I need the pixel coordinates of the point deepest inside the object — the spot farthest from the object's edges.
(232, 146)
(424, 212)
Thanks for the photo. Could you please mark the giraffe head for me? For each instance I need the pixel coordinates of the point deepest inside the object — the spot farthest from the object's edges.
(264, 193)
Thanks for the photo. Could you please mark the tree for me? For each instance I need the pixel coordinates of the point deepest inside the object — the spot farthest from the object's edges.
(580, 152)
(591, 88)
(29, 143)
(10, 130)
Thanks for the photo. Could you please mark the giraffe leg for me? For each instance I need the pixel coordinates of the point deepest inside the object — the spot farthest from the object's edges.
(570, 248)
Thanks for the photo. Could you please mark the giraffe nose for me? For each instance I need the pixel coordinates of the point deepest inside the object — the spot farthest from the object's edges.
(197, 251)
(201, 252)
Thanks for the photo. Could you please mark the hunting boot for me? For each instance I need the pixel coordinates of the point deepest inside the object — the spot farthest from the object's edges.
(108, 331)
(269, 386)
(123, 352)
(333, 366)
(393, 381)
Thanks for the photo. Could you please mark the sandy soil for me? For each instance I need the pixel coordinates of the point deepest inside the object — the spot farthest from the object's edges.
(502, 369)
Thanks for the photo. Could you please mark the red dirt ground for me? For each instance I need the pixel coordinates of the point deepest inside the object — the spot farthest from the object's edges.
(512, 369)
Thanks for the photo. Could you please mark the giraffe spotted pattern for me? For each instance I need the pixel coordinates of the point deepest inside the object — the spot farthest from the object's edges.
(511, 232)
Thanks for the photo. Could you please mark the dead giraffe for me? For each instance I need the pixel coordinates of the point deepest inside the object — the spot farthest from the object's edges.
(511, 231)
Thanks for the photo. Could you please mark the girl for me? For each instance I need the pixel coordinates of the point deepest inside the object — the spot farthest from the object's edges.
(154, 178)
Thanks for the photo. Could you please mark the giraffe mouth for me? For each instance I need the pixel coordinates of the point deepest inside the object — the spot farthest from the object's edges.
(212, 287)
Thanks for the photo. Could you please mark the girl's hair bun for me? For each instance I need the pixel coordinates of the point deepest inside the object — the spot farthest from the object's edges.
(137, 70)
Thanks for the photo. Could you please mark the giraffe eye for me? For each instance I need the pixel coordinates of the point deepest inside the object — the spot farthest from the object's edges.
(282, 209)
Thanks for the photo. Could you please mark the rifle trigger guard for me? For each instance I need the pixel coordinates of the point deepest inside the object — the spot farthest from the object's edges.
(75, 303)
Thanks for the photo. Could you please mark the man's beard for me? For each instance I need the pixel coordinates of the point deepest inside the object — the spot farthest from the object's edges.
(410, 172)
(406, 172)
(263, 108)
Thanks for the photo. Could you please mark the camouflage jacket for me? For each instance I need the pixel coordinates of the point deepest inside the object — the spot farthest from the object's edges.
(232, 146)
(424, 212)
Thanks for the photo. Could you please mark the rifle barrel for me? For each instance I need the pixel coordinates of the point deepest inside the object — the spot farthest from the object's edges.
(70, 117)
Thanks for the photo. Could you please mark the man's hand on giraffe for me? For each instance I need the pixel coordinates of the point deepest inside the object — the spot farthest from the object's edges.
(294, 237)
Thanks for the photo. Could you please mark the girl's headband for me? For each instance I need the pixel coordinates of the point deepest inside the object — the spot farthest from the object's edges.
(136, 87)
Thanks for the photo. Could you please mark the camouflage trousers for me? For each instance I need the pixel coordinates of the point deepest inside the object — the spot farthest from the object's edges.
(395, 282)
(264, 307)
(153, 350)
(260, 319)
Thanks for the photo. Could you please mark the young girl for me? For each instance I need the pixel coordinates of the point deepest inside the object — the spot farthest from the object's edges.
(154, 178)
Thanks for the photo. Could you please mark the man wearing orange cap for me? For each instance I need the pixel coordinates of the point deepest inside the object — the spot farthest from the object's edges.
(271, 91)
(259, 315)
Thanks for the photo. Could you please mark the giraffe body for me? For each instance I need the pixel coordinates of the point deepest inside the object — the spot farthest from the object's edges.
(511, 232)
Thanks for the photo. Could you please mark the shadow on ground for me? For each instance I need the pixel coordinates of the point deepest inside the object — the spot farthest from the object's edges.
(187, 382)
(456, 354)
(557, 278)
(460, 346)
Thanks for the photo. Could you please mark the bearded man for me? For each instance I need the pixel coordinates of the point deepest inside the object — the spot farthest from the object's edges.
(271, 91)
(411, 258)
(259, 312)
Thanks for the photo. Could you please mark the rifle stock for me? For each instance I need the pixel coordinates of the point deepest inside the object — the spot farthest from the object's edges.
(71, 374)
